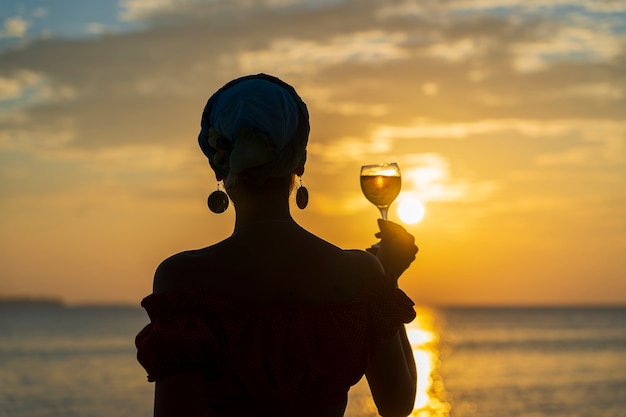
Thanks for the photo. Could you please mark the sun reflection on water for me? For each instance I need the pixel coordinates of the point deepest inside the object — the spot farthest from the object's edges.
(430, 397)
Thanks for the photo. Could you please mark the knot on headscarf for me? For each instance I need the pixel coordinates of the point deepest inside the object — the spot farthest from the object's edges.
(255, 126)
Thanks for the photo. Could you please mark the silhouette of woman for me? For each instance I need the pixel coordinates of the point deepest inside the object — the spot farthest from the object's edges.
(273, 320)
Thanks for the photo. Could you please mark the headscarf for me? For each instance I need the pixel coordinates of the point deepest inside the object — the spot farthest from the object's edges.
(256, 127)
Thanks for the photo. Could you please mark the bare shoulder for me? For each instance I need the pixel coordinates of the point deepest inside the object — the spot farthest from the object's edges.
(364, 268)
(353, 267)
(169, 272)
(365, 263)
(179, 270)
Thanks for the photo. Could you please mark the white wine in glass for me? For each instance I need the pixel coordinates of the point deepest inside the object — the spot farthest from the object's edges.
(381, 185)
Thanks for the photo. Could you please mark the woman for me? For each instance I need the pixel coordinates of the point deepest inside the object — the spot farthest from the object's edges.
(274, 321)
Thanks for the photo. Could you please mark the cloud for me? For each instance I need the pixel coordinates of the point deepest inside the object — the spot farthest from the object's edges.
(544, 129)
(141, 9)
(567, 43)
(605, 6)
(423, 8)
(429, 176)
(14, 27)
(406, 9)
(595, 90)
(40, 12)
(43, 140)
(430, 89)
(573, 156)
(155, 10)
(293, 55)
(536, 35)
(25, 88)
(601, 144)
(96, 28)
(328, 100)
(458, 50)
(348, 149)
(362, 76)
(19, 128)
(16, 86)
(501, 150)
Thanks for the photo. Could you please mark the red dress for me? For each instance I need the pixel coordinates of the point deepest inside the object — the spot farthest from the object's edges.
(285, 353)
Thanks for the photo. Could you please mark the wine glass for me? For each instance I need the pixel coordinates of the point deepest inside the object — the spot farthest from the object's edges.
(381, 185)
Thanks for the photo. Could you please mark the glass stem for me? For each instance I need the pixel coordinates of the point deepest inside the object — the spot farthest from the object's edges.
(383, 212)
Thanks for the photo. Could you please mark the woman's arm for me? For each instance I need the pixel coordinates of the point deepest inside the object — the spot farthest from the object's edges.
(181, 394)
(391, 374)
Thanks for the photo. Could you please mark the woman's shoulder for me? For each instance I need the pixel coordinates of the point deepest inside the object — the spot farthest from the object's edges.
(179, 270)
(301, 263)
(364, 268)
(364, 263)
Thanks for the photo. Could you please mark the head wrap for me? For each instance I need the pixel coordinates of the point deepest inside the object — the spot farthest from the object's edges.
(256, 127)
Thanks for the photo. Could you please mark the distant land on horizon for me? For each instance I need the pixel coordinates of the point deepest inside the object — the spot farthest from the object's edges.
(32, 301)
(57, 302)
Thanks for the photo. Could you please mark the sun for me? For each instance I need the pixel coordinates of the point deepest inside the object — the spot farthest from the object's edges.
(410, 210)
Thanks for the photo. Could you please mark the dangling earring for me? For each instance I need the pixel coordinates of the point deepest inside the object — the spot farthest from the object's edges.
(218, 200)
(302, 196)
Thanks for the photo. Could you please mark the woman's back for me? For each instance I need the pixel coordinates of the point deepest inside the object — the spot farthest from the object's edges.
(271, 263)
(281, 326)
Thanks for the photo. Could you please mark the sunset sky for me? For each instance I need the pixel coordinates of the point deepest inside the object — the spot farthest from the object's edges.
(507, 118)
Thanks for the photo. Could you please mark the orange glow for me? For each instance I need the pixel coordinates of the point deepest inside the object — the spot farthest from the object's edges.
(524, 187)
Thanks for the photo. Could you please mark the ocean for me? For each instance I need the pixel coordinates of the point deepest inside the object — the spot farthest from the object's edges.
(473, 362)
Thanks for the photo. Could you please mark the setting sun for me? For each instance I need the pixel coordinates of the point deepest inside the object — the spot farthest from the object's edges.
(410, 210)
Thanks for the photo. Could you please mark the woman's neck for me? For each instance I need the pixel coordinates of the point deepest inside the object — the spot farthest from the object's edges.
(266, 203)
(262, 212)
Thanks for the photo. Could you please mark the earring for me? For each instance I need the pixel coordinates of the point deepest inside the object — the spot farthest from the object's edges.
(302, 196)
(218, 200)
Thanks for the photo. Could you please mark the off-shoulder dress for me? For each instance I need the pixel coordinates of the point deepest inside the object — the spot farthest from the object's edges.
(255, 354)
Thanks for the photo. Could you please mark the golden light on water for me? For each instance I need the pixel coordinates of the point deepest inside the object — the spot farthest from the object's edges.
(430, 396)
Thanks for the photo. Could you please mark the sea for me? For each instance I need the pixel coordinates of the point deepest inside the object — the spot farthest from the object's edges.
(59, 361)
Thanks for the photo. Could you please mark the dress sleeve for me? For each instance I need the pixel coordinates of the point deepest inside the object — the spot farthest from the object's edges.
(178, 338)
(389, 308)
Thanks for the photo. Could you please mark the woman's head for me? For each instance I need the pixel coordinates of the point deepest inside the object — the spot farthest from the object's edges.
(255, 128)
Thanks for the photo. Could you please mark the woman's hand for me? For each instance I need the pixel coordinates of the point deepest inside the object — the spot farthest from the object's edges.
(397, 248)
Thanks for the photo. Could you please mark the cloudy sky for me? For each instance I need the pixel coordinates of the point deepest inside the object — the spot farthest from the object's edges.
(507, 118)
